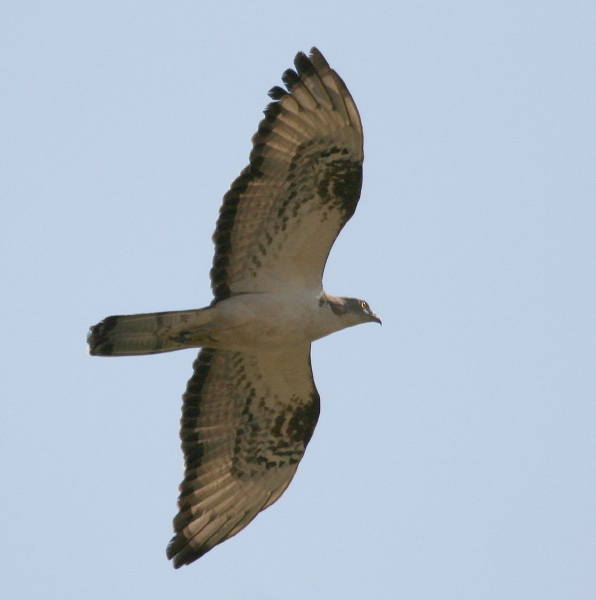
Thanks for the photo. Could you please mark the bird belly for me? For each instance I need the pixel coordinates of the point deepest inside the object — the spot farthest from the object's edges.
(267, 321)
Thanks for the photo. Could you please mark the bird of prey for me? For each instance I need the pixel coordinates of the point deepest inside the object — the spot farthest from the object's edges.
(251, 405)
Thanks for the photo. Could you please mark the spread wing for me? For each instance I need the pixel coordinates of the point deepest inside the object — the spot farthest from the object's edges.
(282, 214)
(246, 420)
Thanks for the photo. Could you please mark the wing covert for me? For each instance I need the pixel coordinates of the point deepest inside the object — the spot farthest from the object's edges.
(246, 421)
(282, 214)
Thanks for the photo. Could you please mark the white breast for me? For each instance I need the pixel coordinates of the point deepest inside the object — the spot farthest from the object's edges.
(270, 320)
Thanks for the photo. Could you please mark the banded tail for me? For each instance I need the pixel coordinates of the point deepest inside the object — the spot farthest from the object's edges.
(128, 335)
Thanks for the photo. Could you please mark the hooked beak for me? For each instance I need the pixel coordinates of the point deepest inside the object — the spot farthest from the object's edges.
(376, 319)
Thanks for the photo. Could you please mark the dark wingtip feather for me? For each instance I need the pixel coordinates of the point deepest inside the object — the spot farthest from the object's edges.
(317, 54)
(277, 93)
(180, 553)
(303, 65)
(272, 111)
(290, 78)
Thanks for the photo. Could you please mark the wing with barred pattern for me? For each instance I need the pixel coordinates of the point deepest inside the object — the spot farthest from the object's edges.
(246, 421)
(282, 214)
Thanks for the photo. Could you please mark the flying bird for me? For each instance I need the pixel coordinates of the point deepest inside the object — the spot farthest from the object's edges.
(251, 405)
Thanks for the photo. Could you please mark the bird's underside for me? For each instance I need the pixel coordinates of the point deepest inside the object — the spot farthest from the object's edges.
(251, 406)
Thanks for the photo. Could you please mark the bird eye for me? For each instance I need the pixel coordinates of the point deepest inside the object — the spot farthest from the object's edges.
(363, 304)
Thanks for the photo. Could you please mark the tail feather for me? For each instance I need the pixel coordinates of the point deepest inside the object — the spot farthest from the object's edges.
(128, 335)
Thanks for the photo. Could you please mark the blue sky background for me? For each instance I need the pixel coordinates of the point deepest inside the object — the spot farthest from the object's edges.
(455, 457)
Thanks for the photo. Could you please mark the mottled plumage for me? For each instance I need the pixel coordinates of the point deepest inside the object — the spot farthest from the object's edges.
(251, 406)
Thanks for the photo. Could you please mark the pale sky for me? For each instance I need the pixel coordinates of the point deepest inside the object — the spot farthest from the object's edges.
(455, 456)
